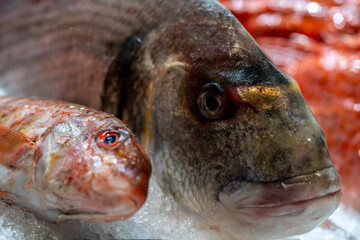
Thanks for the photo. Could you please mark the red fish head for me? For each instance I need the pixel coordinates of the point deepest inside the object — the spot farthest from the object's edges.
(101, 174)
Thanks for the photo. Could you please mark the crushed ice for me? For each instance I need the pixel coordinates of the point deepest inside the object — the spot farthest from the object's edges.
(160, 218)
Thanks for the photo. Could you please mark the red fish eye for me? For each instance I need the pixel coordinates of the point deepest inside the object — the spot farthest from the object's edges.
(109, 139)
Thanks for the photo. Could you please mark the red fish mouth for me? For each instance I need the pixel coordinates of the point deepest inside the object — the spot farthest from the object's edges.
(290, 197)
(124, 211)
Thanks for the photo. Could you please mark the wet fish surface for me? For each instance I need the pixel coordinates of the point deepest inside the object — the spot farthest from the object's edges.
(64, 161)
(317, 43)
(229, 135)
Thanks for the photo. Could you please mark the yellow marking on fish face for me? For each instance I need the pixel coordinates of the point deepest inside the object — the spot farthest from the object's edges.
(262, 96)
(265, 96)
(265, 91)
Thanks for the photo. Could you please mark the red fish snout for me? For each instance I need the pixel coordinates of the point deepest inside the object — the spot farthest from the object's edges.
(120, 187)
(106, 184)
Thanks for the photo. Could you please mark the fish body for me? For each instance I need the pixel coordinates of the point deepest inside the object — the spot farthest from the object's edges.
(230, 135)
(64, 161)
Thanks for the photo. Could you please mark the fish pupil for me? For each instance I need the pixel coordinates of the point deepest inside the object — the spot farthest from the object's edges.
(211, 103)
(110, 139)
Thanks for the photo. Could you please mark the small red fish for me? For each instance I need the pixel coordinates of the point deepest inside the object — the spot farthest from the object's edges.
(63, 161)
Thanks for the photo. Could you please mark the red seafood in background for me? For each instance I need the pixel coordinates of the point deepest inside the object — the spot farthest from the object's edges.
(317, 43)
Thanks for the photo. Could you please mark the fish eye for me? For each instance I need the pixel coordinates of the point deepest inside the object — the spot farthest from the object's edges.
(210, 101)
(109, 139)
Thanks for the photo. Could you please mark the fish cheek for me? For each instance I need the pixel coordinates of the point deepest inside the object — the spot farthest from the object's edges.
(180, 151)
(40, 165)
(48, 168)
(51, 157)
(187, 156)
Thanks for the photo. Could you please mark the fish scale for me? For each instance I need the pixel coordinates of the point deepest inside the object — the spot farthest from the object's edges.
(51, 41)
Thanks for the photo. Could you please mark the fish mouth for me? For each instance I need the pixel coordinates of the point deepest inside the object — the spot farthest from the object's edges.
(125, 210)
(289, 197)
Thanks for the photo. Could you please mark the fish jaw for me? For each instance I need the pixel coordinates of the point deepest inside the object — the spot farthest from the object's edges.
(119, 195)
(264, 228)
(283, 208)
(248, 197)
(109, 198)
(127, 207)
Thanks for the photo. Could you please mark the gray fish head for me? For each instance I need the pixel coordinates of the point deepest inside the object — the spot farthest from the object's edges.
(230, 135)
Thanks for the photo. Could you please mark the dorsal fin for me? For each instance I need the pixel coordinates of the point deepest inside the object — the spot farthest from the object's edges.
(11, 142)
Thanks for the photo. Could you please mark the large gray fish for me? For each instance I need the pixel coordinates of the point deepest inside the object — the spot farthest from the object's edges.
(229, 135)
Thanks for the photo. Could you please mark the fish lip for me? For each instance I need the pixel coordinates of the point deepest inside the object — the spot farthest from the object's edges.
(285, 209)
(286, 197)
(106, 215)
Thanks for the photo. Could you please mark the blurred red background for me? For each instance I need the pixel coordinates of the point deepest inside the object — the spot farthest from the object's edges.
(317, 43)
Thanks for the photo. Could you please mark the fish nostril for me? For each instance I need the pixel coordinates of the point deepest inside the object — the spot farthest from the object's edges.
(251, 107)
(269, 115)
